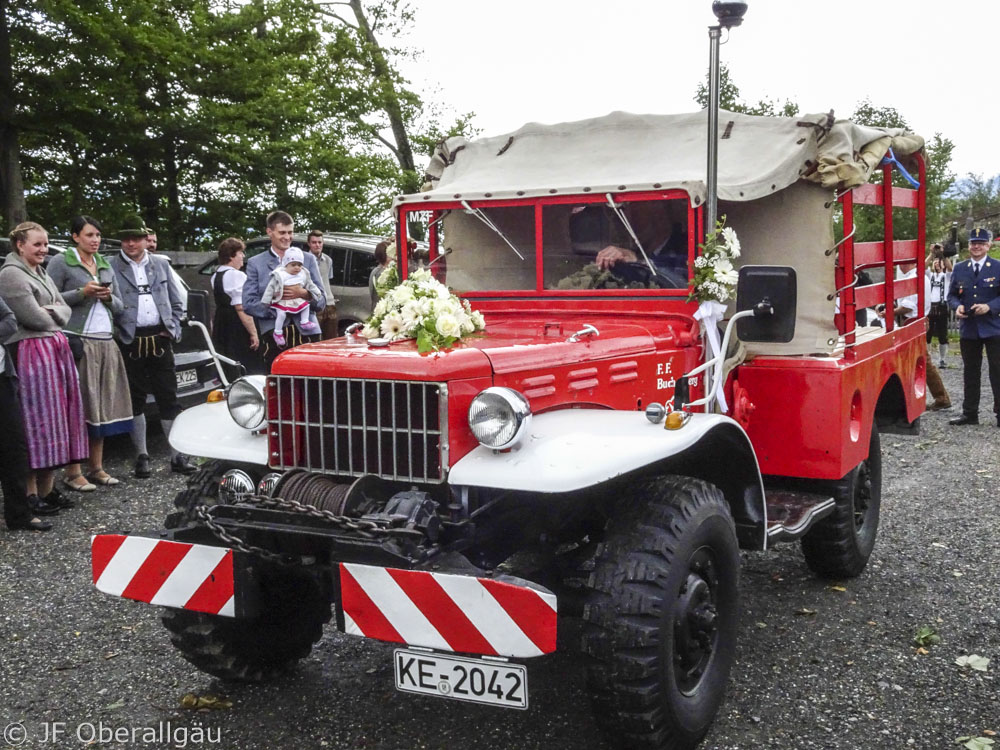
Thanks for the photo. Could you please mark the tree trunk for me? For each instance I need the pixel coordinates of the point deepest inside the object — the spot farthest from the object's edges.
(11, 184)
(390, 100)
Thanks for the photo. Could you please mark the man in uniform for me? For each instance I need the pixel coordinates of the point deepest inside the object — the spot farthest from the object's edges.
(974, 295)
(327, 317)
(280, 229)
(146, 331)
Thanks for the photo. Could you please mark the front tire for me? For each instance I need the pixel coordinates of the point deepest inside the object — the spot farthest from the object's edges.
(839, 546)
(293, 607)
(293, 610)
(662, 614)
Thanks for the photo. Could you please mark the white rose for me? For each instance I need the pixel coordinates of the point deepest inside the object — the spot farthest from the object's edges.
(420, 275)
(465, 323)
(447, 325)
(478, 320)
(381, 307)
(368, 332)
(402, 294)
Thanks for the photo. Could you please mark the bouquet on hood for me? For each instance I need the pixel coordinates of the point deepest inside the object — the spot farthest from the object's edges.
(715, 276)
(423, 308)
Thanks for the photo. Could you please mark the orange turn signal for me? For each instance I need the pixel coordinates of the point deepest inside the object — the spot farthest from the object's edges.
(676, 419)
(215, 396)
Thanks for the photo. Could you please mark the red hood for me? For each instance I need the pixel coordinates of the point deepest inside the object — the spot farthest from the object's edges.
(505, 347)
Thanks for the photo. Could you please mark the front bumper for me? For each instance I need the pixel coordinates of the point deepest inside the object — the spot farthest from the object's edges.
(445, 611)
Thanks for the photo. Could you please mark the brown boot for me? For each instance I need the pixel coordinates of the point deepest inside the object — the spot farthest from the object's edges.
(936, 386)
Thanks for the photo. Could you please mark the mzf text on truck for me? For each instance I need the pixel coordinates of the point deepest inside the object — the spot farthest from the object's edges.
(601, 451)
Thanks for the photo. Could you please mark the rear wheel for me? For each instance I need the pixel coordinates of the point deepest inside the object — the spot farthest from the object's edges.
(839, 546)
(661, 616)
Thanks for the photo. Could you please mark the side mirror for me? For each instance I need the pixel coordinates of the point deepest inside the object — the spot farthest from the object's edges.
(197, 306)
(770, 292)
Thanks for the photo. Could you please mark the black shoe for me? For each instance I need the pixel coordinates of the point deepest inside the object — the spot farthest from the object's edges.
(964, 419)
(59, 500)
(40, 507)
(142, 470)
(181, 464)
(34, 524)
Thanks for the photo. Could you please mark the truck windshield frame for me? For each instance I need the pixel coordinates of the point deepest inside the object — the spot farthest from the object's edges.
(534, 237)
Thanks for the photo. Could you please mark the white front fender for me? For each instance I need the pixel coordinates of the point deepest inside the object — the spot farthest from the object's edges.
(572, 449)
(575, 449)
(209, 431)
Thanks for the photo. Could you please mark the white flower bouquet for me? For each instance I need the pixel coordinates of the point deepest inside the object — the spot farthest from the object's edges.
(389, 278)
(423, 308)
(715, 276)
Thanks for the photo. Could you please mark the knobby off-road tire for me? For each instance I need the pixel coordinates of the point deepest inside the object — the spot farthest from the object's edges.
(292, 610)
(660, 622)
(839, 546)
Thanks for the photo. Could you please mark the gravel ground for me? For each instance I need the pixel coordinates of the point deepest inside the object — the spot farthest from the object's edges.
(818, 665)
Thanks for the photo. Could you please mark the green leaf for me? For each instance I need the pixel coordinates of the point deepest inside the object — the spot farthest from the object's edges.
(926, 636)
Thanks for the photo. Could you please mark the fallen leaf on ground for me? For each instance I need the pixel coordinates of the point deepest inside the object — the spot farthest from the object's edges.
(190, 700)
(837, 588)
(805, 611)
(973, 661)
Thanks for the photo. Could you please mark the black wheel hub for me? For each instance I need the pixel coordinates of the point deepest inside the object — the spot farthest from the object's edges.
(695, 627)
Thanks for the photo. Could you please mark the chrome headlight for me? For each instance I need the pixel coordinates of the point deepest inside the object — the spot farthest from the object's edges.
(499, 417)
(247, 404)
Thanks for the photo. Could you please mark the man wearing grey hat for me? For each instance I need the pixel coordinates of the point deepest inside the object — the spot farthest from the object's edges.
(146, 331)
(974, 295)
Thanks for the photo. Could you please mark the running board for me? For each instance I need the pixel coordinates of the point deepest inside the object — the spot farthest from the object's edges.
(790, 514)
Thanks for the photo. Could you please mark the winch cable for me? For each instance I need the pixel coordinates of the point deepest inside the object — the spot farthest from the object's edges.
(621, 215)
(488, 222)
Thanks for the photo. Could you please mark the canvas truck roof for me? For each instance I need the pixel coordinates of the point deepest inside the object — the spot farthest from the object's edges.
(623, 152)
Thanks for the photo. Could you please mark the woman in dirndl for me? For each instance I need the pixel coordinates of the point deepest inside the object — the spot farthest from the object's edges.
(50, 388)
(87, 284)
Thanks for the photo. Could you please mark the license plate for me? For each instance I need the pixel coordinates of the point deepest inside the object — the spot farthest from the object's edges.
(186, 378)
(473, 680)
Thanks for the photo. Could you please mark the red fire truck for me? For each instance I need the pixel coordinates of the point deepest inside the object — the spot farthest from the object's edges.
(601, 451)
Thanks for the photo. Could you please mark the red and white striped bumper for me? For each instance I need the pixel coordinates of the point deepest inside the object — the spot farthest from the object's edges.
(459, 613)
(448, 612)
(172, 574)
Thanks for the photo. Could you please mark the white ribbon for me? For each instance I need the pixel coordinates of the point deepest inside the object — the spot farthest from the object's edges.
(710, 314)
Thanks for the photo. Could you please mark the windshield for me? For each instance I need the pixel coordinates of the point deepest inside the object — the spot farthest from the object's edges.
(585, 245)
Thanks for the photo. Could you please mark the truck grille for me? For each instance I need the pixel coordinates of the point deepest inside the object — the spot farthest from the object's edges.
(395, 429)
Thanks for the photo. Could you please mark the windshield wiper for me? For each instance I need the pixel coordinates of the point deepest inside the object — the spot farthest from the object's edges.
(628, 227)
(486, 220)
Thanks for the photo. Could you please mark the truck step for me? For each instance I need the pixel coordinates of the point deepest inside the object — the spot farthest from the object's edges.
(790, 513)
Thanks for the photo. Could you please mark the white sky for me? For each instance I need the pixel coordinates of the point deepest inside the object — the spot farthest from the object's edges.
(519, 61)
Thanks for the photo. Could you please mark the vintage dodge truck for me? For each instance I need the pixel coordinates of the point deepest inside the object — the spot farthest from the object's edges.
(601, 452)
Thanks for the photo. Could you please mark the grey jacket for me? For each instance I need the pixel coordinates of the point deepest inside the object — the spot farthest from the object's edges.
(70, 277)
(165, 296)
(258, 270)
(33, 298)
(8, 327)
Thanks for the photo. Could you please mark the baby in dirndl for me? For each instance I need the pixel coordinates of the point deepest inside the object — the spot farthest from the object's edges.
(290, 273)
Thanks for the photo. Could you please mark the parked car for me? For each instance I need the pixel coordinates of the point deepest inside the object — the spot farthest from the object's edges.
(353, 260)
(194, 366)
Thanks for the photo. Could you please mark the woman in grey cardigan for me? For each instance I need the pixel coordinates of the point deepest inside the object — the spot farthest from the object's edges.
(50, 389)
(87, 284)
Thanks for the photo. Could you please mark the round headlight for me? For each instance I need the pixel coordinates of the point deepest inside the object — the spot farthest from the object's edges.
(499, 417)
(247, 405)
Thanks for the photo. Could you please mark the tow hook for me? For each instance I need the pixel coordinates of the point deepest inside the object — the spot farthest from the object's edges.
(587, 330)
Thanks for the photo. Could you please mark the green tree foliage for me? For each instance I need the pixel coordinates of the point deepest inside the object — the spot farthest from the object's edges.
(731, 100)
(206, 114)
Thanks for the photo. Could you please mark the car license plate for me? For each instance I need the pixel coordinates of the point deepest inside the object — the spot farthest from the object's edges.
(187, 378)
(474, 680)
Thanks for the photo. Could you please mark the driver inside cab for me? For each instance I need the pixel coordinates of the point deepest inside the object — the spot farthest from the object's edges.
(661, 231)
